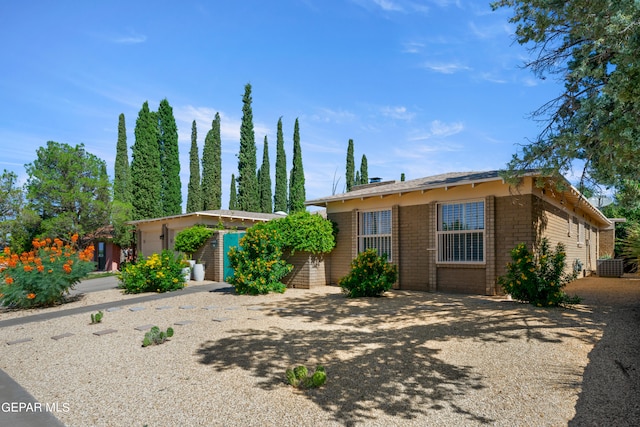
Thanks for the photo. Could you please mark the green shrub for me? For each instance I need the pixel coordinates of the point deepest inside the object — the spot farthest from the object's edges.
(44, 275)
(370, 276)
(96, 318)
(539, 278)
(157, 273)
(155, 336)
(299, 377)
(302, 231)
(191, 239)
(257, 264)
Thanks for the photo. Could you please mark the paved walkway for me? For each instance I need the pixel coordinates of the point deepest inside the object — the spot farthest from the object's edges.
(19, 408)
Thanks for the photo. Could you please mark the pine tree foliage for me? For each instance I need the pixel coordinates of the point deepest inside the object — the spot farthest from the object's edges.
(233, 194)
(248, 191)
(194, 193)
(171, 198)
(364, 170)
(212, 167)
(122, 174)
(264, 180)
(146, 175)
(296, 190)
(280, 197)
(592, 46)
(351, 166)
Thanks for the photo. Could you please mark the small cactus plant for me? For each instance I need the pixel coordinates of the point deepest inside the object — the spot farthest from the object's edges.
(96, 318)
(299, 377)
(156, 336)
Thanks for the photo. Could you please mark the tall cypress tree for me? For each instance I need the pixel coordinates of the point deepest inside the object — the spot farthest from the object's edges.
(146, 174)
(351, 166)
(212, 167)
(169, 160)
(280, 197)
(264, 180)
(122, 173)
(194, 195)
(233, 194)
(296, 190)
(248, 192)
(364, 170)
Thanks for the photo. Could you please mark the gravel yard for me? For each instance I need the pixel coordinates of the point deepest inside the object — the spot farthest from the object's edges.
(409, 358)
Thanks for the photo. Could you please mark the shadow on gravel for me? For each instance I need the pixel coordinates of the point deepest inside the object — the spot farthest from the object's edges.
(376, 360)
(611, 383)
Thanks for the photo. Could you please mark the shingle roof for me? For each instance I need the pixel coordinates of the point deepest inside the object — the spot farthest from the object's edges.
(393, 187)
(242, 215)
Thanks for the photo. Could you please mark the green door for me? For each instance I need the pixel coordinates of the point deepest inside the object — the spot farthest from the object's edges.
(229, 240)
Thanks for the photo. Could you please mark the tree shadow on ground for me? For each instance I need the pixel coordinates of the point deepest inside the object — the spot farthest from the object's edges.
(611, 382)
(378, 357)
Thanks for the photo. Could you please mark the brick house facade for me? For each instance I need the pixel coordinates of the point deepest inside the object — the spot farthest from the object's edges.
(454, 232)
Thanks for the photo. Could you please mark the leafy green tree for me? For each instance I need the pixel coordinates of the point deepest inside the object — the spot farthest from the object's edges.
(146, 175)
(194, 194)
(280, 197)
(364, 170)
(122, 174)
(171, 199)
(233, 194)
(212, 167)
(248, 191)
(69, 189)
(593, 47)
(121, 207)
(11, 202)
(351, 166)
(402, 178)
(264, 180)
(296, 181)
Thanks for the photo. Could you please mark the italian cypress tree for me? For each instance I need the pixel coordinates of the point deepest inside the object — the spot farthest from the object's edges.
(264, 180)
(122, 174)
(233, 195)
(194, 195)
(212, 167)
(169, 160)
(351, 166)
(280, 198)
(248, 191)
(146, 174)
(364, 170)
(357, 179)
(296, 182)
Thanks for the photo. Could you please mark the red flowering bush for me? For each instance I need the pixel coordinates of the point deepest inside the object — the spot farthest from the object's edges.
(42, 276)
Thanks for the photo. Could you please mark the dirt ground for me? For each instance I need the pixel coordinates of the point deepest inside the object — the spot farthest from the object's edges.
(611, 383)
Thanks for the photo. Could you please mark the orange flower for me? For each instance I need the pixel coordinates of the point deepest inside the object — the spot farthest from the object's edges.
(8, 280)
(7, 250)
(27, 268)
(66, 268)
(31, 296)
(40, 268)
(74, 238)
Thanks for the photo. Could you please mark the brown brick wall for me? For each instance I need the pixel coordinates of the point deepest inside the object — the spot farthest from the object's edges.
(341, 255)
(414, 226)
(462, 279)
(309, 270)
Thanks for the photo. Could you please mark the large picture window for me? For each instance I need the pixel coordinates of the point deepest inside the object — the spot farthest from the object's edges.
(461, 232)
(374, 232)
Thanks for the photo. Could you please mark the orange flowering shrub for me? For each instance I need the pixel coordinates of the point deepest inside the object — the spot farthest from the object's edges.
(42, 276)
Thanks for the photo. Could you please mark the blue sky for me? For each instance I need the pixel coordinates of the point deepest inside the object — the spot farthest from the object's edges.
(421, 86)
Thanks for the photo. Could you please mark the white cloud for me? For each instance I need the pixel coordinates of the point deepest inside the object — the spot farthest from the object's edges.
(131, 38)
(438, 129)
(388, 5)
(445, 68)
(327, 115)
(413, 47)
(400, 113)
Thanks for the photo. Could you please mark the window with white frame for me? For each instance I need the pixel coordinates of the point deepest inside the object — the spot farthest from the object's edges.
(581, 232)
(374, 232)
(461, 232)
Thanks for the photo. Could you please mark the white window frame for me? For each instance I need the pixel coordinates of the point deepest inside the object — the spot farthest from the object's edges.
(443, 236)
(373, 234)
(581, 233)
